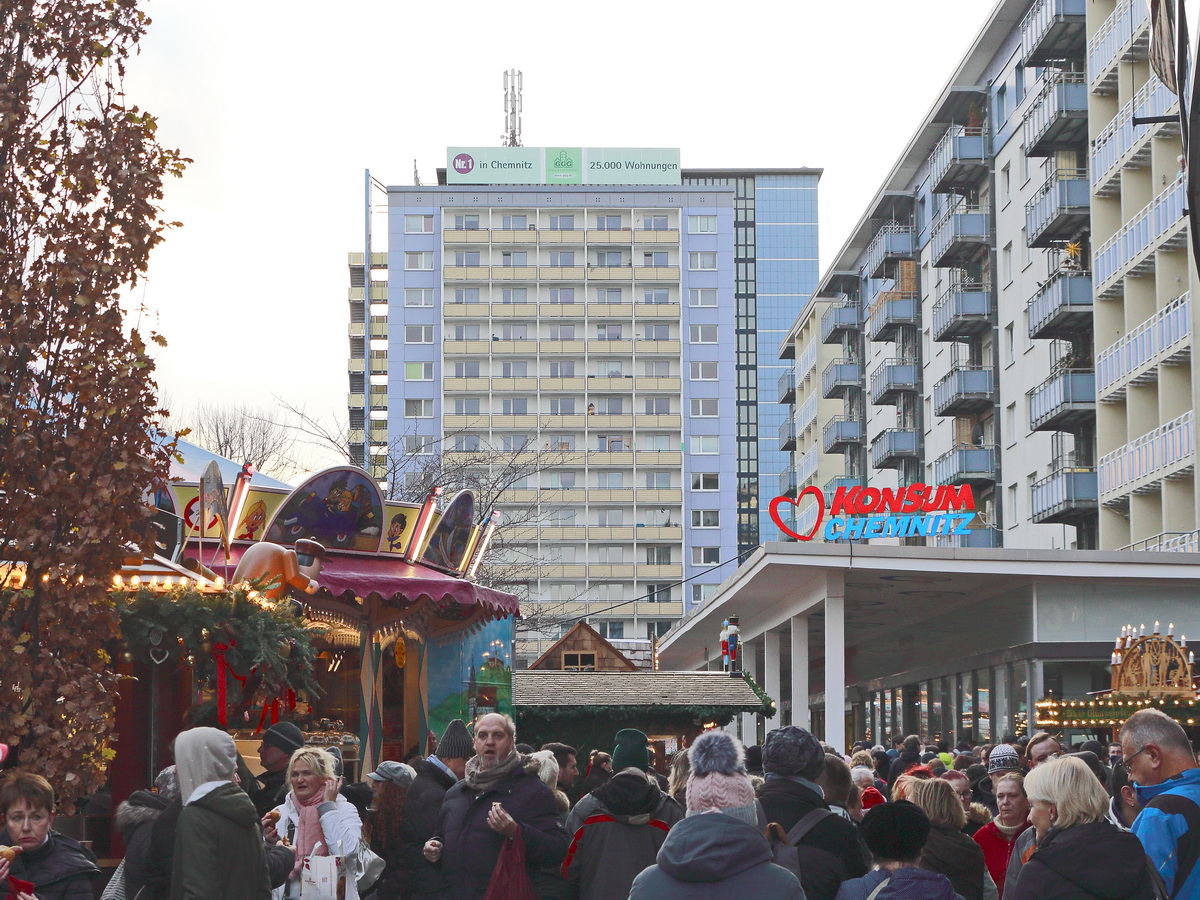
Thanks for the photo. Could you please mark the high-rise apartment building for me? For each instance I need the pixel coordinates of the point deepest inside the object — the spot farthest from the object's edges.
(622, 327)
(961, 306)
(1143, 279)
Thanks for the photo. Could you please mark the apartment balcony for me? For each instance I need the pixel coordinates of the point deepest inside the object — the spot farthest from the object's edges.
(841, 433)
(1063, 401)
(1053, 31)
(563, 236)
(966, 465)
(656, 236)
(840, 377)
(787, 387)
(806, 415)
(806, 467)
(838, 320)
(1162, 340)
(891, 311)
(356, 366)
(1123, 36)
(893, 378)
(1161, 225)
(892, 242)
(654, 348)
(787, 433)
(965, 390)
(1142, 465)
(1065, 496)
(656, 273)
(610, 273)
(843, 481)
(787, 483)
(1060, 209)
(1169, 542)
(609, 236)
(960, 161)
(1122, 145)
(1057, 118)
(982, 537)
(961, 236)
(656, 310)
(1062, 306)
(379, 327)
(807, 362)
(671, 496)
(893, 446)
(963, 311)
(358, 400)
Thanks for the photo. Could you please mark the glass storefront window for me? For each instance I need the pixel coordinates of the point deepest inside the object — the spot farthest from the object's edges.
(983, 703)
(1018, 697)
(924, 704)
(966, 725)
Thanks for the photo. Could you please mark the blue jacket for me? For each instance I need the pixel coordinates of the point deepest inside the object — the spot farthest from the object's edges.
(1169, 828)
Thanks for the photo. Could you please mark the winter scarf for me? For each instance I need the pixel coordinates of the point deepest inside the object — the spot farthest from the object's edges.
(308, 830)
(480, 779)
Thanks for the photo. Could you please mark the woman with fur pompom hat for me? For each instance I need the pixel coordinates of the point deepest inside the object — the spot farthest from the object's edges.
(717, 851)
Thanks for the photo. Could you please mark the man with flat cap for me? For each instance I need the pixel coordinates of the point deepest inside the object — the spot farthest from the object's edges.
(279, 742)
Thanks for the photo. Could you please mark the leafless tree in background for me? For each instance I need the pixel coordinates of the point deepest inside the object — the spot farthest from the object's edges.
(245, 434)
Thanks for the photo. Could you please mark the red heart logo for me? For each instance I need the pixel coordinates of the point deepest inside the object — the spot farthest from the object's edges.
(774, 510)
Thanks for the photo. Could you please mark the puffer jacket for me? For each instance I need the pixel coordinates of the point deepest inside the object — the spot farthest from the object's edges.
(60, 869)
(713, 856)
(1096, 861)
(617, 831)
(135, 818)
(903, 884)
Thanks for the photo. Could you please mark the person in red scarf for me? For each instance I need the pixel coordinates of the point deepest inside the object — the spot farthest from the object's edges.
(998, 837)
(315, 818)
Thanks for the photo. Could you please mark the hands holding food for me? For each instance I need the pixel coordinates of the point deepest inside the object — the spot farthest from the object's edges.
(500, 821)
(9, 853)
(268, 826)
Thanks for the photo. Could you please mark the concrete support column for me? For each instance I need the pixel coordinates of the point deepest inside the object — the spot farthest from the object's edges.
(800, 712)
(835, 665)
(749, 654)
(771, 676)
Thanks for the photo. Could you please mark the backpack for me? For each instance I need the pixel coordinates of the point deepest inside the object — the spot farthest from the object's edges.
(784, 848)
(1158, 886)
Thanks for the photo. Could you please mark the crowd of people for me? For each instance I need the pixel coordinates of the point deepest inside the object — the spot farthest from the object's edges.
(1024, 819)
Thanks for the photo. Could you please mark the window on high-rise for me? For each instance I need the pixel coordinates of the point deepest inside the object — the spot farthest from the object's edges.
(562, 257)
(611, 631)
(658, 555)
(657, 593)
(466, 406)
(702, 297)
(418, 445)
(610, 517)
(418, 409)
(658, 406)
(701, 592)
(702, 224)
(418, 296)
(462, 369)
(562, 406)
(469, 222)
(654, 223)
(702, 334)
(608, 258)
(562, 295)
(514, 332)
(466, 443)
(562, 369)
(422, 261)
(561, 332)
(610, 481)
(464, 295)
(702, 259)
(562, 223)
(657, 442)
(703, 371)
(561, 442)
(418, 334)
(515, 443)
(657, 629)
(514, 222)
(514, 295)
(705, 444)
(656, 295)
(706, 481)
(658, 481)
(518, 369)
(659, 332)
(608, 406)
(418, 224)
(515, 406)
(706, 518)
(514, 258)
(608, 223)
(608, 331)
(655, 258)
(608, 295)
(466, 258)
(705, 407)
(612, 443)
(465, 333)
(656, 368)
(415, 371)
(706, 556)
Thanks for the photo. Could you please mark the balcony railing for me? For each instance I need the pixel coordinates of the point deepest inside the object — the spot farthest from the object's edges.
(842, 481)
(894, 445)
(1164, 338)
(787, 483)
(806, 519)
(1123, 35)
(840, 433)
(963, 310)
(840, 377)
(1066, 495)
(890, 311)
(1060, 209)
(965, 389)
(1123, 145)
(1141, 465)
(893, 241)
(807, 362)
(961, 235)
(806, 414)
(1053, 31)
(960, 160)
(839, 320)
(787, 432)
(892, 379)
(806, 467)
(1057, 118)
(1061, 306)
(966, 465)
(1066, 398)
(1159, 226)
(1169, 542)
(787, 387)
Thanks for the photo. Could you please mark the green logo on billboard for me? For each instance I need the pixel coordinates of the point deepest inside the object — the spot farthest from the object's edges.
(564, 165)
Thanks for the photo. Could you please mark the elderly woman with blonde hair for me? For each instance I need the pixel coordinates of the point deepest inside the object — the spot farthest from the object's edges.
(315, 818)
(948, 850)
(1079, 853)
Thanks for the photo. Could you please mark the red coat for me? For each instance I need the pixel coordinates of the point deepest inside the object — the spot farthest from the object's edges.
(997, 848)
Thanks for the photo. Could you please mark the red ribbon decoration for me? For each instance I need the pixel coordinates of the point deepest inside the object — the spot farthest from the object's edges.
(219, 651)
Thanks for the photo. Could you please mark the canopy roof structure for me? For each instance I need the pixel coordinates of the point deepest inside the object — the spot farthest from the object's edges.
(589, 693)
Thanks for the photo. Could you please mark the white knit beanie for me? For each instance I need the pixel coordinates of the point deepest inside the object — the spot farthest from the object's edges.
(203, 755)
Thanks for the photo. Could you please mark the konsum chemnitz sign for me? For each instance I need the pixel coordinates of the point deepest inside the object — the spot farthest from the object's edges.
(860, 513)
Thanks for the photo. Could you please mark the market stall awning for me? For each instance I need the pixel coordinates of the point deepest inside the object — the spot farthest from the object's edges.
(699, 692)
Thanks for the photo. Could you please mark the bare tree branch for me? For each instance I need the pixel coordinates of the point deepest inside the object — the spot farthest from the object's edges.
(245, 434)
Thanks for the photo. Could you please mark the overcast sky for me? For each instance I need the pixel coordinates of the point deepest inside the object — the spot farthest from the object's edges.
(284, 105)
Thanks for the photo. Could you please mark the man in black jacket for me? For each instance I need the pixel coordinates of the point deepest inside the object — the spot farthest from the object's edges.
(829, 850)
(910, 755)
(421, 879)
(275, 750)
(496, 799)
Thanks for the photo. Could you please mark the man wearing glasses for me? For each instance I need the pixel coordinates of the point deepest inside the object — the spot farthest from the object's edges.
(1158, 757)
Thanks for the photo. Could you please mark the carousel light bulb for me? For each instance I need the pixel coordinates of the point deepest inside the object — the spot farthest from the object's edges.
(118, 581)
(135, 581)
(1170, 628)
(1142, 633)
(220, 582)
(1156, 626)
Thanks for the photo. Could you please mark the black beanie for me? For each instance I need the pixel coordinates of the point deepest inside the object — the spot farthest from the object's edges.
(284, 735)
(896, 831)
(456, 742)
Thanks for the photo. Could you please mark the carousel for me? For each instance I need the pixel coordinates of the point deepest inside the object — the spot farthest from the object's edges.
(1148, 670)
